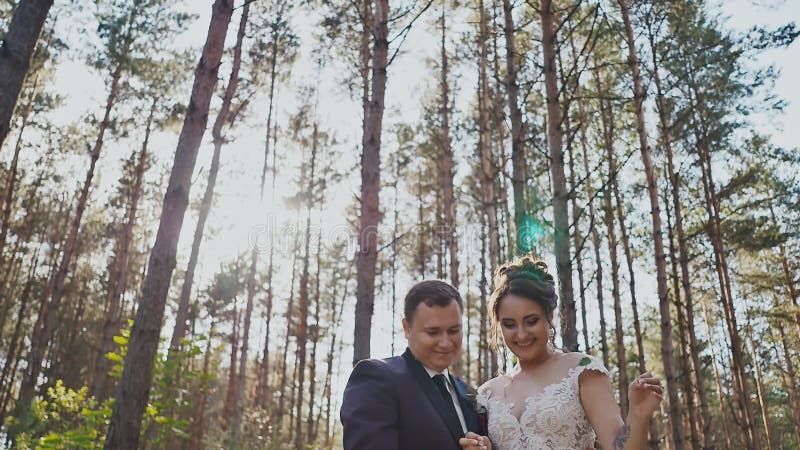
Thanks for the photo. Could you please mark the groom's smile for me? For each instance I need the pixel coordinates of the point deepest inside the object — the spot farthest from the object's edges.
(434, 335)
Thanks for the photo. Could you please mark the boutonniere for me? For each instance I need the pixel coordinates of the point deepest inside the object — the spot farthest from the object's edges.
(473, 402)
(480, 411)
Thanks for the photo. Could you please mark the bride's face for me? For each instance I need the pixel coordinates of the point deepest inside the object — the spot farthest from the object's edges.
(525, 327)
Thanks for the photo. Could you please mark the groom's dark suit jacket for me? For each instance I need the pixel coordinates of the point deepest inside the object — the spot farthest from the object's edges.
(393, 404)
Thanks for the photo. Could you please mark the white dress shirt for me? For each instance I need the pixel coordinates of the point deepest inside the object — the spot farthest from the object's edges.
(452, 390)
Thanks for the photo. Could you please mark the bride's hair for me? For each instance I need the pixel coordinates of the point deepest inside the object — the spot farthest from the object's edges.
(526, 277)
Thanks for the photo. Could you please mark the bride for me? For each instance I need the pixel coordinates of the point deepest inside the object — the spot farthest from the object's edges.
(551, 399)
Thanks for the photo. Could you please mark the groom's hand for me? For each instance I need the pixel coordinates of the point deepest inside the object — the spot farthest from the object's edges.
(473, 441)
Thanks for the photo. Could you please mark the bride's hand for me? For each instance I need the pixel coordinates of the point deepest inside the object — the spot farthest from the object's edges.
(644, 394)
(473, 441)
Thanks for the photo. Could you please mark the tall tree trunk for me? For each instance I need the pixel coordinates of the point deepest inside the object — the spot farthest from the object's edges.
(293, 394)
(289, 330)
(311, 432)
(7, 196)
(683, 251)
(578, 242)
(132, 395)
(517, 128)
(273, 70)
(16, 52)
(50, 317)
(667, 347)
(590, 196)
(623, 235)
(304, 301)
(738, 369)
(503, 216)
(569, 332)
(762, 395)
(695, 427)
(607, 117)
(488, 169)
(11, 358)
(448, 197)
(421, 257)
(230, 390)
(196, 428)
(483, 343)
(118, 274)
(265, 392)
(790, 379)
(393, 260)
(791, 290)
(592, 231)
(369, 215)
(717, 380)
(182, 315)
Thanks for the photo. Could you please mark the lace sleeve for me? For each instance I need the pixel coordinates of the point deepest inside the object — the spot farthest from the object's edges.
(591, 363)
(484, 393)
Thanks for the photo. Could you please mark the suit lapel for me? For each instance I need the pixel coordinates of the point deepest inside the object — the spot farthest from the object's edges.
(470, 418)
(430, 390)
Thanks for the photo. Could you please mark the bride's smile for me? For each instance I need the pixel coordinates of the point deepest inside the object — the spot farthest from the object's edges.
(525, 328)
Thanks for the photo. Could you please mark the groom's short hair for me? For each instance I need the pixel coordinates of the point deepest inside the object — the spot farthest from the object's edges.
(432, 293)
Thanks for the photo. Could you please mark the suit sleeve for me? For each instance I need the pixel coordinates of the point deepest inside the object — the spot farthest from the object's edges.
(369, 413)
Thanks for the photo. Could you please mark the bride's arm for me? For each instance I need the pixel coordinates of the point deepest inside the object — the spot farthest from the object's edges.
(597, 398)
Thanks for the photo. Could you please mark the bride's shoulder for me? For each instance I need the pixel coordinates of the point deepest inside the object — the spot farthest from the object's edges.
(582, 362)
(493, 386)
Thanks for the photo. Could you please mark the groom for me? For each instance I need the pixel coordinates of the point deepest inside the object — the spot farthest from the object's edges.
(411, 401)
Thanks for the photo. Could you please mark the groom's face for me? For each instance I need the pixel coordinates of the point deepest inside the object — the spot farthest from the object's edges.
(434, 334)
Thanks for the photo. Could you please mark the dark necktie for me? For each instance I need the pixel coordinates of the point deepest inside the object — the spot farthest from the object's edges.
(439, 380)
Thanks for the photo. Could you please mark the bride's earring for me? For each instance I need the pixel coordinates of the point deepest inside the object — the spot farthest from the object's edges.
(553, 337)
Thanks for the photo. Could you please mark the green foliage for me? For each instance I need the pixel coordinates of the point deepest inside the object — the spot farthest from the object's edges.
(65, 419)
(71, 419)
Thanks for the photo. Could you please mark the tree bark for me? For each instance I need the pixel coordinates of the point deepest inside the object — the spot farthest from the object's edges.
(517, 127)
(488, 173)
(449, 201)
(49, 315)
(623, 235)
(7, 196)
(569, 332)
(230, 386)
(182, 315)
(369, 215)
(738, 369)
(717, 380)
(695, 428)
(598, 276)
(791, 290)
(667, 347)
(123, 433)
(789, 378)
(607, 117)
(118, 274)
(762, 399)
(289, 331)
(196, 428)
(304, 301)
(311, 429)
(16, 53)
(577, 242)
(11, 358)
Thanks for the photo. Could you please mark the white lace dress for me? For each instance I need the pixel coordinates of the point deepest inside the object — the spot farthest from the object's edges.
(553, 419)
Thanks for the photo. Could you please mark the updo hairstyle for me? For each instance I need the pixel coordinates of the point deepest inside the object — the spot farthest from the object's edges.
(525, 277)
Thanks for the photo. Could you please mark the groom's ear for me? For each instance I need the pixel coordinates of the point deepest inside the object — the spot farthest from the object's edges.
(406, 327)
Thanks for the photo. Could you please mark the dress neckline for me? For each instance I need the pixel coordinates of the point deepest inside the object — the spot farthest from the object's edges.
(529, 398)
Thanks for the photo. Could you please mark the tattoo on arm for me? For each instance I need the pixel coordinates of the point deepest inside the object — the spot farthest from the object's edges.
(622, 437)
